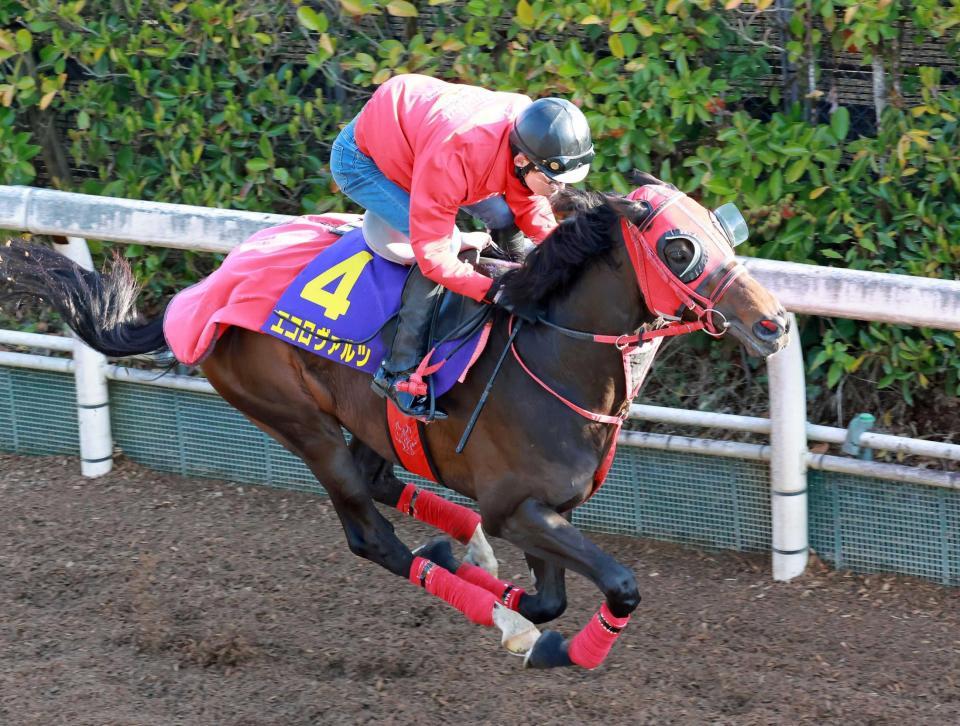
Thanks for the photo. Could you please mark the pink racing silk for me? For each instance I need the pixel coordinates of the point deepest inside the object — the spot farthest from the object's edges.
(245, 288)
(448, 145)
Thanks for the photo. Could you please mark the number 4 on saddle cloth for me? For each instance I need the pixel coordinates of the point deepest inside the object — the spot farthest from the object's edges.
(310, 286)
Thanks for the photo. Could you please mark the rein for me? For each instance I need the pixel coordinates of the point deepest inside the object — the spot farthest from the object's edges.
(598, 417)
(621, 342)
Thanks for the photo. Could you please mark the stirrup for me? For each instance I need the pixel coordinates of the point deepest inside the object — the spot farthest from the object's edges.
(391, 386)
(417, 407)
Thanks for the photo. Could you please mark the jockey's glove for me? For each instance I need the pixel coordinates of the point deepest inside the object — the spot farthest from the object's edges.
(498, 295)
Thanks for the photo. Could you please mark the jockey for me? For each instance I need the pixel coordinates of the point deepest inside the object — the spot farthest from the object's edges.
(420, 150)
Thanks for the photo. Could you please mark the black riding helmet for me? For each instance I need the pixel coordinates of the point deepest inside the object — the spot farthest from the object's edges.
(555, 137)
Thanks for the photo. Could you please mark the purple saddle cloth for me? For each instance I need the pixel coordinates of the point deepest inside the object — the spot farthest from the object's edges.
(338, 303)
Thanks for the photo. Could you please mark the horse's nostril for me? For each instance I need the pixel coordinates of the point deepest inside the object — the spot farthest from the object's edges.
(768, 329)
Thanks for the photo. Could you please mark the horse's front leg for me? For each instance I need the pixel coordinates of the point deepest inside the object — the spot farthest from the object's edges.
(541, 531)
(550, 598)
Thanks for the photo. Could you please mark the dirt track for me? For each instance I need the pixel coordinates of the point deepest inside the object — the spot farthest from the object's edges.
(141, 598)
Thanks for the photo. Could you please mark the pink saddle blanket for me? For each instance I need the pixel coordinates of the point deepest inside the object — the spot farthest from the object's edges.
(245, 288)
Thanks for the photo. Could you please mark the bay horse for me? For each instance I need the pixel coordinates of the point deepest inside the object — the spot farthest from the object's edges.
(616, 275)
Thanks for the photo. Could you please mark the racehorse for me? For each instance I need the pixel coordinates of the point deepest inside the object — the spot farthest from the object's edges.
(616, 276)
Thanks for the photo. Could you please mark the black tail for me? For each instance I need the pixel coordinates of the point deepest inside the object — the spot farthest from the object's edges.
(99, 309)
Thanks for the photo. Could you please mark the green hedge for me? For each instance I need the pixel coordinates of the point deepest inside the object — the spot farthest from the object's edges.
(235, 103)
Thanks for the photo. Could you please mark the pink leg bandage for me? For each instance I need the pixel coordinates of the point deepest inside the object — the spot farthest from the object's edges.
(506, 593)
(590, 646)
(454, 519)
(474, 602)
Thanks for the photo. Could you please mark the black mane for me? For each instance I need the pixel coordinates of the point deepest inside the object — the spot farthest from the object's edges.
(558, 260)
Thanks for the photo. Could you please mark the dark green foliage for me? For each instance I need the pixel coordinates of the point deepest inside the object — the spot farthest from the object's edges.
(235, 104)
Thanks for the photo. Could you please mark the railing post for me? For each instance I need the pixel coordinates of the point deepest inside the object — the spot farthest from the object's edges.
(788, 461)
(93, 405)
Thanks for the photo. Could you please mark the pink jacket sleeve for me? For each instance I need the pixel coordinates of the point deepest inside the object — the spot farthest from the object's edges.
(435, 197)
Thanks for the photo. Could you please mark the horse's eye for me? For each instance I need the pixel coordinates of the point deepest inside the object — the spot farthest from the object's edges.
(683, 254)
(679, 253)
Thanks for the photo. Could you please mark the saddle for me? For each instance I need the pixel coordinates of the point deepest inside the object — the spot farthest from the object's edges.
(451, 312)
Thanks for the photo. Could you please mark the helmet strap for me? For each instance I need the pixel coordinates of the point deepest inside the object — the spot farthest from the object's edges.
(522, 171)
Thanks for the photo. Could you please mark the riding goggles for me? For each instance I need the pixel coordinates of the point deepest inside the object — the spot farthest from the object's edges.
(567, 169)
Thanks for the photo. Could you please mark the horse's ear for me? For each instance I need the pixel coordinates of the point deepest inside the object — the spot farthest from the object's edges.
(643, 178)
(635, 211)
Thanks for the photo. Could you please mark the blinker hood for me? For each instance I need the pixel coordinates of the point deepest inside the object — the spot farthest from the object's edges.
(673, 214)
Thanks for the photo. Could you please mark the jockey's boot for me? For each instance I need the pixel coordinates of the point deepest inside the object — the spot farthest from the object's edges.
(419, 299)
(511, 241)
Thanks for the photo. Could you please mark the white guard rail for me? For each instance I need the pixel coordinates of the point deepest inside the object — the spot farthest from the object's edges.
(802, 289)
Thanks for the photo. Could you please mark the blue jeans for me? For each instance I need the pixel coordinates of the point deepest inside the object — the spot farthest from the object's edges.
(361, 179)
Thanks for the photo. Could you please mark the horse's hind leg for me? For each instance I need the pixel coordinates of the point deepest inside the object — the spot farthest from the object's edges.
(459, 522)
(371, 536)
(320, 445)
(547, 603)
(267, 381)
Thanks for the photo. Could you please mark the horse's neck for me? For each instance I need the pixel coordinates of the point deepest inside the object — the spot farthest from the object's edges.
(605, 299)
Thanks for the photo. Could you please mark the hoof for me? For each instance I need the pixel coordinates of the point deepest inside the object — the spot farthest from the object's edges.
(480, 553)
(550, 651)
(439, 550)
(519, 634)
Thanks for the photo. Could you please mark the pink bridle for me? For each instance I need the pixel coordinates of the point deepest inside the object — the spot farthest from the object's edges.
(666, 295)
